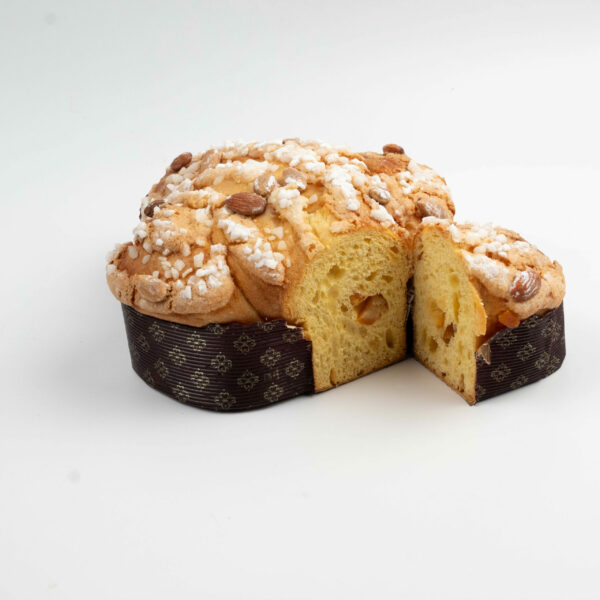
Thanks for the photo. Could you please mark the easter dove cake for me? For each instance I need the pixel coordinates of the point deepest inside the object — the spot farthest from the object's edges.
(261, 271)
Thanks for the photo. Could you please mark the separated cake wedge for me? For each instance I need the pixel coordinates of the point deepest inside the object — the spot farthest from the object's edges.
(481, 293)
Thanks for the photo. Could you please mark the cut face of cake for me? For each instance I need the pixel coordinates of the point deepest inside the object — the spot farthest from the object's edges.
(472, 282)
(448, 315)
(351, 301)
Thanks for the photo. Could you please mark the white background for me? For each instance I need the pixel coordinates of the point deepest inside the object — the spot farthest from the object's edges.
(389, 487)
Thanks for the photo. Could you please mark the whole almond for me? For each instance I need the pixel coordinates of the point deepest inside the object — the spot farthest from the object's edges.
(393, 149)
(152, 289)
(389, 164)
(525, 286)
(380, 195)
(246, 203)
(428, 208)
(291, 175)
(372, 309)
(264, 184)
(210, 159)
(183, 160)
(149, 210)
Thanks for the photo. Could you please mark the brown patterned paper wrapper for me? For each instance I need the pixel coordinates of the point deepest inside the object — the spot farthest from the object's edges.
(520, 356)
(222, 367)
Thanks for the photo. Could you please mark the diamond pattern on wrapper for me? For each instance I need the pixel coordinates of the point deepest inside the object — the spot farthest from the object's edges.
(221, 363)
(523, 355)
(177, 356)
(200, 379)
(178, 360)
(542, 361)
(221, 367)
(501, 372)
(244, 343)
(553, 365)
(196, 342)
(532, 322)
(292, 335)
(520, 381)
(161, 369)
(294, 369)
(147, 377)
(273, 393)
(506, 338)
(552, 330)
(526, 351)
(142, 343)
(248, 380)
(180, 393)
(270, 357)
(156, 332)
(224, 399)
(215, 329)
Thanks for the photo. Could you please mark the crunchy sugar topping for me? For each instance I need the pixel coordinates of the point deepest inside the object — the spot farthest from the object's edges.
(235, 232)
(406, 181)
(187, 214)
(488, 239)
(283, 197)
(202, 215)
(495, 258)
(339, 180)
(485, 240)
(294, 155)
(379, 213)
(488, 268)
(262, 255)
(140, 231)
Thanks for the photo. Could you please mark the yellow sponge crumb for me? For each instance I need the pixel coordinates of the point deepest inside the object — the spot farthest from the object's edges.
(351, 303)
(448, 314)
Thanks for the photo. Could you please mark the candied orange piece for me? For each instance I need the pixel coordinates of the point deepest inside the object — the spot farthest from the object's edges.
(509, 319)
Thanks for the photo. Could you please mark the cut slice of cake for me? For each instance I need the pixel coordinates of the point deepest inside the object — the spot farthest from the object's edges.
(472, 282)
(352, 301)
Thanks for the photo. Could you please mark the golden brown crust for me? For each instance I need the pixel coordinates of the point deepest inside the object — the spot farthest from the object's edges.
(513, 278)
(197, 257)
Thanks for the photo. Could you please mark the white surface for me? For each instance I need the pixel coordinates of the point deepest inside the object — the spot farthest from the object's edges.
(390, 487)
